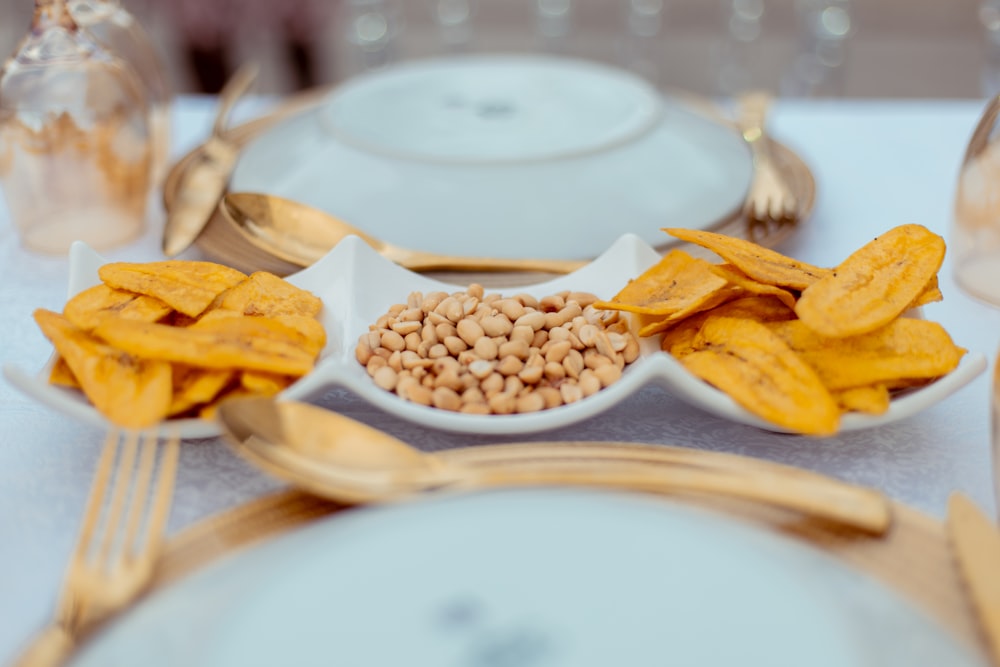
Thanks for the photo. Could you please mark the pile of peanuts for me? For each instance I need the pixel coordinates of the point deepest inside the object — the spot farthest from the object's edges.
(482, 353)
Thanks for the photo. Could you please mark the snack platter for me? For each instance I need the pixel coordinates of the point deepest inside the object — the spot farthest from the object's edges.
(357, 285)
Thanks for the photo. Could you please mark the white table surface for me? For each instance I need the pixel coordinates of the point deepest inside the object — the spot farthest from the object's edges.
(877, 164)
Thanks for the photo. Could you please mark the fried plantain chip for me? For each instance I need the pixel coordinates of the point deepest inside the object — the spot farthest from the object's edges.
(62, 375)
(907, 349)
(874, 284)
(761, 373)
(871, 399)
(185, 332)
(930, 294)
(758, 262)
(677, 340)
(196, 386)
(726, 294)
(87, 308)
(256, 343)
(187, 286)
(678, 283)
(739, 279)
(128, 390)
(268, 295)
(264, 384)
(312, 334)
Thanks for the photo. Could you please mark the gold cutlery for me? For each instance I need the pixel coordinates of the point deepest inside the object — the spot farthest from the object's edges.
(771, 199)
(301, 234)
(120, 540)
(341, 459)
(975, 544)
(203, 183)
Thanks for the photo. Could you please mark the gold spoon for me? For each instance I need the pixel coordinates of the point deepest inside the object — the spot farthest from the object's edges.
(203, 184)
(301, 235)
(338, 458)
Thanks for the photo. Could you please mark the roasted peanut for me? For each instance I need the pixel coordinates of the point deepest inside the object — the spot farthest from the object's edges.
(480, 353)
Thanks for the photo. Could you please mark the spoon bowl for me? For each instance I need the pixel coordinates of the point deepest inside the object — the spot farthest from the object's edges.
(301, 235)
(205, 182)
(341, 459)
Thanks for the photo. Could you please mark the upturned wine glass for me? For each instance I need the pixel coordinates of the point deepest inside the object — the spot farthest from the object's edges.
(115, 28)
(75, 143)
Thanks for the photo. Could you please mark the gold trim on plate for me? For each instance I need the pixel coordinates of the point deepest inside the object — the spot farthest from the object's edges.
(222, 241)
(912, 557)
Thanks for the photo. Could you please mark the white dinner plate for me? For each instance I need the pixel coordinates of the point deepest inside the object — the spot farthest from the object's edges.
(357, 286)
(528, 577)
(503, 156)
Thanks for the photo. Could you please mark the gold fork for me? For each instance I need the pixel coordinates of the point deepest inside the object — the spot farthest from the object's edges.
(771, 199)
(120, 540)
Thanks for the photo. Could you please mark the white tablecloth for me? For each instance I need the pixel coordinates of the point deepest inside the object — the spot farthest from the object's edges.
(877, 164)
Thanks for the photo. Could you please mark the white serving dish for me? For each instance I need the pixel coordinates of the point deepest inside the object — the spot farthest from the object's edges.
(357, 286)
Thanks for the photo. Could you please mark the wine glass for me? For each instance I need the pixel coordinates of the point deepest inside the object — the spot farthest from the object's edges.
(371, 32)
(75, 144)
(554, 24)
(819, 63)
(975, 233)
(115, 28)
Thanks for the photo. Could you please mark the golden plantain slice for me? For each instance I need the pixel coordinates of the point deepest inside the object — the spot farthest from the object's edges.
(312, 334)
(871, 399)
(678, 339)
(264, 384)
(874, 284)
(758, 262)
(62, 375)
(761, 373)
(268, 295)
(129, 391)
(724, 295)
(256, 343)
(87, 308)
(197, 386)
(904, 351)
(677, 283)
(739, 279)
(187, 286)
(930, 294)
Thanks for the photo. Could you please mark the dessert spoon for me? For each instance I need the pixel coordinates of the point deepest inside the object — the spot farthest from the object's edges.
(204, 183)
(301, 234)
(341, 459)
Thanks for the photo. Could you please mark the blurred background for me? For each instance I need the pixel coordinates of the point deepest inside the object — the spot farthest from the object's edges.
(853, 48)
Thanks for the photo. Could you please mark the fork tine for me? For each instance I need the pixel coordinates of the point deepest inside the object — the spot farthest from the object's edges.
(164, 490)
(119, 543)
(119, 495)
(777, 209)
(791, 207)
(140, 493)
(95, 501)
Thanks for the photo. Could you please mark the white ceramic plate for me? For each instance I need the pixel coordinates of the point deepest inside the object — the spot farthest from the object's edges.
(539, 577)
(501, 155)
(358, 285)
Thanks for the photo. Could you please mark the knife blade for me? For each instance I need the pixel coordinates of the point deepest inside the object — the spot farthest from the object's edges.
(203, 185)
(975, 544)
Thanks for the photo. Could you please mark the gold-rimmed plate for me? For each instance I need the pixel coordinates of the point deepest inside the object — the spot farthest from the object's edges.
(528, 571)
(223, 242)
